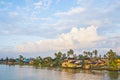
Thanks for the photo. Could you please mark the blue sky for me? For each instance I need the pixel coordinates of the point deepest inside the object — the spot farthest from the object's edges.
(43, 27)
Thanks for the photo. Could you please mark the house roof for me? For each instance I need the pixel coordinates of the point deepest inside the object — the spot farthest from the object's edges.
(26, 60)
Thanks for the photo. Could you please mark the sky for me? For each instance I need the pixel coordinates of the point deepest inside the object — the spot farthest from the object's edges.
(43, 27)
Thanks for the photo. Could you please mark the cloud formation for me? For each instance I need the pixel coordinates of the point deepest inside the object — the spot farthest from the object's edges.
(42, 4)
(61, 25)
(75, 39)
(72, 11)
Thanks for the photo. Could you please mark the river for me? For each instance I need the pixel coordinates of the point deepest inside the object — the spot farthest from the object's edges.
(17, 72)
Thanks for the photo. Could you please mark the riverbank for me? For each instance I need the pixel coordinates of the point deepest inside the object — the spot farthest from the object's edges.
(37, 66)
(110, 61)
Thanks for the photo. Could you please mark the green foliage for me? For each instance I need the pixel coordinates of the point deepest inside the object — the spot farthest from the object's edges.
(96, 53)
(58, 58)
(21, 58)
(58, 55)
(70, 52)
(80, 57)
(47, 62)
(114, 75)
(88, 54)
(112, 60)
(64, 56)
(38, 61)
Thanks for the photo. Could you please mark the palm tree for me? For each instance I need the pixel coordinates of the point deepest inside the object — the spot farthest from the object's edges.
(70, 52)
(90, 54)
(38, 60)
(105, 56)
(63, 56)
(6, 59)
(21, 58)
(96, 53)
(80, 56)
(85, 54)
(58, 57)
(111, 57)
(111, 54)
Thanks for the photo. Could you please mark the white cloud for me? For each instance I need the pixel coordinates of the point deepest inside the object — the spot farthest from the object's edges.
(42, 4)
(110, 42)
(75, 39)
(71, 12)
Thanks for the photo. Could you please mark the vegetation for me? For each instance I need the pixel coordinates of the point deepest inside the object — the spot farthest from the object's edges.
(109, 61)
(112, 64)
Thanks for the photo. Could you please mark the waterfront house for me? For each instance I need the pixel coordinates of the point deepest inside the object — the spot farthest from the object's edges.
(26, 61)
(118, 62)
(71, 63)
(87, 63)
(32, 61)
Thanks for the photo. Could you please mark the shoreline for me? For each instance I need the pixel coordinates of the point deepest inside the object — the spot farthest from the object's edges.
(97, 69)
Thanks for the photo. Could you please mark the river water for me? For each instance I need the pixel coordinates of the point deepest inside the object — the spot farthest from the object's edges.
(32, 73)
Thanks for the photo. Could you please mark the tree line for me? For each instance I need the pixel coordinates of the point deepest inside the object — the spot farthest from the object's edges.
(60, 57)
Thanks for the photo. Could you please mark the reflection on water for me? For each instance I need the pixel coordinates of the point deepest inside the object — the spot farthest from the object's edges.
(84, 74)
(113, 75)
(37, 73)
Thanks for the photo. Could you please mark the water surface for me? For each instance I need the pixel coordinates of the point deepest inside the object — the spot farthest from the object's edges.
(32, 73)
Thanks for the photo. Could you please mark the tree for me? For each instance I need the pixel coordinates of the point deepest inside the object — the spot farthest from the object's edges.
(47, 62)
(47, 59)
(96, 53)
(1, 59)
(89, 54)
(85, 54)
(112, 59)
(6, 59)
(70, 52)
(80, 56)
(100, 56)
(38, 60)
(111, 55)
(63, 56)
(75, 56)
(58, 57)
(21, 58)
(105, 56)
